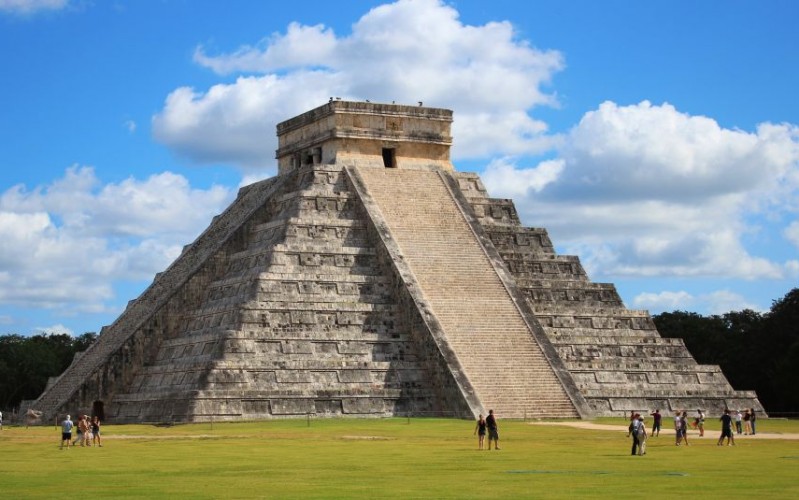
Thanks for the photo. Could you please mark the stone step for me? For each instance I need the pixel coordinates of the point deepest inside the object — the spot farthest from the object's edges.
(695, 391)
(627, 338)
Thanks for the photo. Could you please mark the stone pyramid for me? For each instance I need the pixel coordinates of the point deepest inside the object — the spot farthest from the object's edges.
(368, 278)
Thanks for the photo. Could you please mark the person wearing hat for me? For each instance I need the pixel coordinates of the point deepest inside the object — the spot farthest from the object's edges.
(635, 429)
(641, 436)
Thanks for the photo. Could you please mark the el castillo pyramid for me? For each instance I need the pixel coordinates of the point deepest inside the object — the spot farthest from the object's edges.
(369, 278)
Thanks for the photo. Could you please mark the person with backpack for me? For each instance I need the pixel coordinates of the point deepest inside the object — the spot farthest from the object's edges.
(635, 430)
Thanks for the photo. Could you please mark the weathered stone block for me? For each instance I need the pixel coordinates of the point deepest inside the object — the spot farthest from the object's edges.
(292, 406)
(362, 405)
(293, 377)
(355, 376)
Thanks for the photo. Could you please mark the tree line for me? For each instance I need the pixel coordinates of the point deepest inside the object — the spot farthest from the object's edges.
(756, 351)
(27, 362)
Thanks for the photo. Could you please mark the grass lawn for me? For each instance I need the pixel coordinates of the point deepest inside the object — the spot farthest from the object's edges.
(392, 458)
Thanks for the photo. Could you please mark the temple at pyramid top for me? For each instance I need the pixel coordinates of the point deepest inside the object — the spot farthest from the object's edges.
(366, 134)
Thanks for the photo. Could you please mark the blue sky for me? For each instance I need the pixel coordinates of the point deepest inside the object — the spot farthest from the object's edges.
(658, 141)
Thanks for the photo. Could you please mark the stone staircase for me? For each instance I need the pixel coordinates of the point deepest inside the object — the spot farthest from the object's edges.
(482, 325)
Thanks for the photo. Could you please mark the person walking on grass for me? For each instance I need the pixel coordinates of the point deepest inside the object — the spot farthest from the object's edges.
(726, 429)
(642, 436)
(88, 436)
(638, 432)
(66, 431)
(700, 422)
(656, 423)
(677, 430)
(684, 427)
(81, 436)
(752, 419)
(493, 430)
(96, 431)
(480, 431)
(738, 418)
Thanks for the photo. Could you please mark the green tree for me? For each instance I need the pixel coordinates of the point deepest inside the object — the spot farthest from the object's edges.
(26, 363)
(755, 351)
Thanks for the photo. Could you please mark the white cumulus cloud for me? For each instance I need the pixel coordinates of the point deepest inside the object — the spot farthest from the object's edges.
(647, 190)
(407, 51)
(31, 6)
(57, 329)
(792, 233)
(717, 302)
(65, 244)
(505, 177)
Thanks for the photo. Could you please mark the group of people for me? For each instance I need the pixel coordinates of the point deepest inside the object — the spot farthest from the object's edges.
(681, 426)
(749, 418)
(88, 431)
(638, 431)
(487, 425)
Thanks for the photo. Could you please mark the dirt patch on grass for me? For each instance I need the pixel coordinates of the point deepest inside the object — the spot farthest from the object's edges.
(368, 438)
(623, 428)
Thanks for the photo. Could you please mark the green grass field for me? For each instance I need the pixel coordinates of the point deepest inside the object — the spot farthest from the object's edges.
(392, 458)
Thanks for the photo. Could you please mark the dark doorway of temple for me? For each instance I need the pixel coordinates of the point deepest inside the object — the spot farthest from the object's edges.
(389, 159)
(98, 410)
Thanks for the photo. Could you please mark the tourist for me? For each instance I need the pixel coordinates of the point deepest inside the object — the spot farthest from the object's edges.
(677, 430)
(493, 430)
(700, 422)
(656, 423)
(31, 417)
(1, 420)
(641, 436)
(480, 430)
(726, 429)
(747, 423)
(684, 427)
(79, 435)
(738, 418)
(634, 430)
(96, 431)
(752, 419)
(66, 431)
(88, 435)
